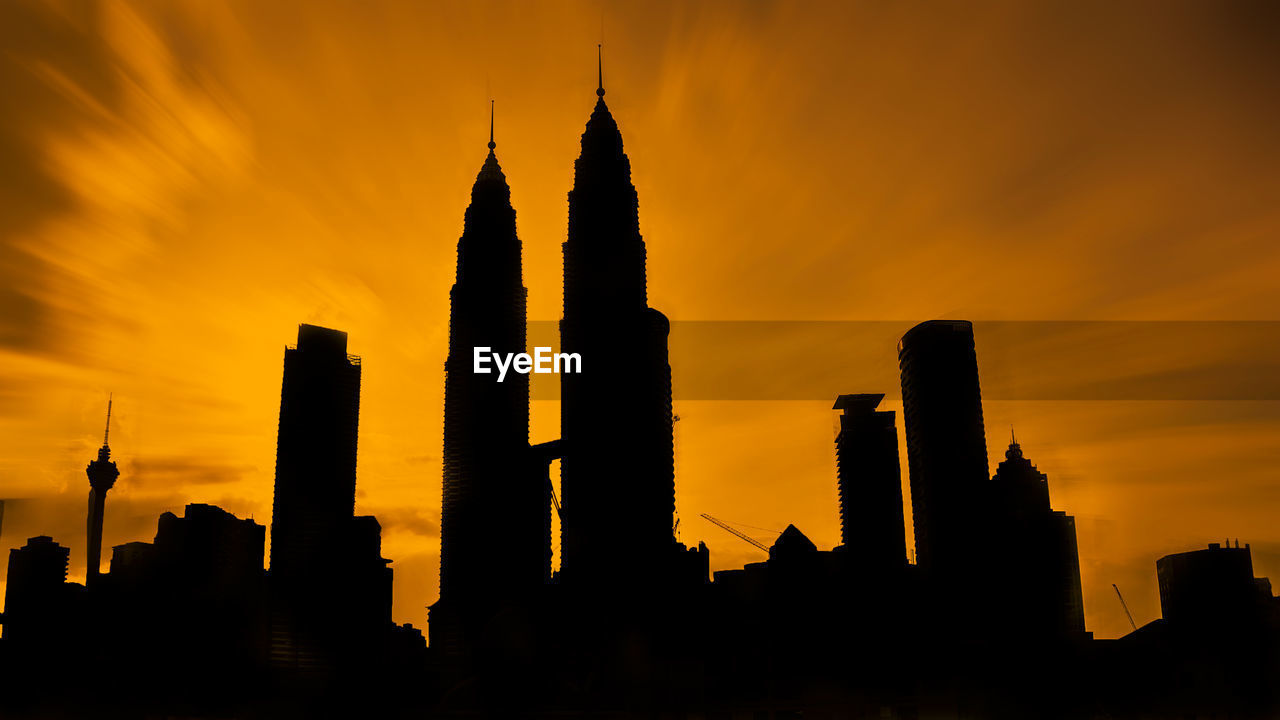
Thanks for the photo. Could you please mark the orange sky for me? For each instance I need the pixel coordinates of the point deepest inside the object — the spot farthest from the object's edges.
(181, 184)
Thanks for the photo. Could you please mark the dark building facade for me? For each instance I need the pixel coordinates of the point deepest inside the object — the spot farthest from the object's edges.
(495, 529)
(618, 475)
(315, 487)
(201, 580)
(1215, 653)
(946, 445)
(1040, 562)
(38, 600)
(329, 588)
(870, 484)
(1213, 586)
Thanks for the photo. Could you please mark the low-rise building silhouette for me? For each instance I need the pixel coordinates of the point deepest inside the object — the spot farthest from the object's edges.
(1214, 586)
(188, 610)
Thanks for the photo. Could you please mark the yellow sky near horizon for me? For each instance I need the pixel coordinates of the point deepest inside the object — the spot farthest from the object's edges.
(182, 183)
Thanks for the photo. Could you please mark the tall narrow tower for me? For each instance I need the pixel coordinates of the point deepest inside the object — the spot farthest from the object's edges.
(315, 488)
(617, 474)
(946, 444)
(102, 474)
(315, 540)
(870, 484)
(495, 530)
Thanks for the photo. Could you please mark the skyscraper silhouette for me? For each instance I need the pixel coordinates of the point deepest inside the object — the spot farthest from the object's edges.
(495, 528)
(315, 488)
(102, 474)
(618, 474)
(330, 588)
(946, 445)
(870, 484)
(1040, 573)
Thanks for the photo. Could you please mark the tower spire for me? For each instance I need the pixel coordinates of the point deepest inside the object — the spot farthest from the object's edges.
(492, 144)
(1015, 450)
(600, 69)
(107, 433)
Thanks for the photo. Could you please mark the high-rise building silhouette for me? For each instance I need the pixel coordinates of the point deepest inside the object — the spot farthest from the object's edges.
(315, 487)
(946, 444)
(36, 596)
(1040, 563)
(102, 473)
(617, 474)
(495, 528)
(870, 484)
(329, 585)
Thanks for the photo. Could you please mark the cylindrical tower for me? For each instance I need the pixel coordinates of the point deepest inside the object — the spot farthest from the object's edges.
(102, 474)
(946, 443)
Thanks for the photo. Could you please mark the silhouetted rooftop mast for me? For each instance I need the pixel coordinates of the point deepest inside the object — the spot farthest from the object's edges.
(492, 144)
(600, 68)
(1015, 450)
(107, 433)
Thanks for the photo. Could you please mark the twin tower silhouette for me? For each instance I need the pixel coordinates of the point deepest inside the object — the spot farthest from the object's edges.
(616, 450)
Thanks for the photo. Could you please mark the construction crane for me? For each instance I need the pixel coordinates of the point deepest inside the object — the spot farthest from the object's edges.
(555, 500)
(544, 454)
(1127, 614)
(724, 526)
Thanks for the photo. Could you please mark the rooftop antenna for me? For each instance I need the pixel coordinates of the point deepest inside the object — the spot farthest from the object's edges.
(492, 144)
(600, 68)
(107, 433)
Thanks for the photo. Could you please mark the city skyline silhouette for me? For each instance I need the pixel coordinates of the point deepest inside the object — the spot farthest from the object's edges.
(906, 207)
(1121, 472)
(859, 628)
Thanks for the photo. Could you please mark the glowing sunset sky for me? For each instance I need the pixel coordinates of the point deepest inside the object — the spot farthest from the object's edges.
(182, 183)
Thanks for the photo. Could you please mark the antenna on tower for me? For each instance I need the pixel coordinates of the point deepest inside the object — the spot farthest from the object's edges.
(107, 433)
(492, 144)
(600, 68)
